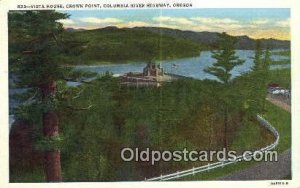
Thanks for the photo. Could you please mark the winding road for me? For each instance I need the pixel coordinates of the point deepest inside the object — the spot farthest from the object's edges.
(267, 170)
(279, 102)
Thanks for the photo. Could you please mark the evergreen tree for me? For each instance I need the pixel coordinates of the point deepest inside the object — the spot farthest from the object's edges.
(265, 74)
(258, 79)
(255, 83)
(37, 51)
(258, 57)
(226, 61)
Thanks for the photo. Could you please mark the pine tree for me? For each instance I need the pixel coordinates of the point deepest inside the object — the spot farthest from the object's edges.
(226, 61)
(265, 74)
(255, 82)
(37, 51)
(259, 77)
(258, 57)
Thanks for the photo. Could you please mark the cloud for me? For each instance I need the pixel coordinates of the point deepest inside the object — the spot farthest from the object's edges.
(196, 23)
(217, 24)
(283, 23)
(133, 24)
(66, 21)
(162, 18)
(212, 20)
(173, 20)
(265, 23)
(261, 21)
(94, 20)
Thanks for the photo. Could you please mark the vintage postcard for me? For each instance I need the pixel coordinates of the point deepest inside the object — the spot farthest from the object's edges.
(149, 92)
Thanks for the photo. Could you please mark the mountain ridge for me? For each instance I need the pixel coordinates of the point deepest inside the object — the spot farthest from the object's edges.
(211, 38)
(207, 38)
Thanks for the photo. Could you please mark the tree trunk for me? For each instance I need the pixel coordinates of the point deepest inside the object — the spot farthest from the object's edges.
(50, 129)
(225, 128)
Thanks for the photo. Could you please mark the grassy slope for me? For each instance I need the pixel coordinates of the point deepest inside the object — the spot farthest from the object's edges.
(248, 137)
(279, 118)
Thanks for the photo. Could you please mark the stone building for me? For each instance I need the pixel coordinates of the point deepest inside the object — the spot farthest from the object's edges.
(153, 69)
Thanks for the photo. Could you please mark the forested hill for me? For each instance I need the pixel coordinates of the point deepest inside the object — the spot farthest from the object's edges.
(210, 38)
(121, 45)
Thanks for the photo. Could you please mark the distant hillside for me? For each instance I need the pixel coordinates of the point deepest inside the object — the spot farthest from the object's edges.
(74, 30)
(116, 45)
(211, 38)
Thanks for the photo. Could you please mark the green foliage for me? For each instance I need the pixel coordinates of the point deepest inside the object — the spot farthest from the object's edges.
(79, 75)
(283, 53)
(254, 84)
(281, 76)
(34, 50)
(266, 61)
(226, 59)
(125, 45)
(258, 57)
(281, 62)
(49, 143)
(37, 50)
(159, 118)
(251, 136)
(183, 114)
(279, 118)
(286, 53)
(28, 176)
(31, 113)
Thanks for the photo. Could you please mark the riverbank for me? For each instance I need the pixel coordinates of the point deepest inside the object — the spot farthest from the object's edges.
(132, 61)
(285, 60)
(189, 67)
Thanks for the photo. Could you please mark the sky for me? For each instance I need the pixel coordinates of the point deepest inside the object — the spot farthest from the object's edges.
(255, 23)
